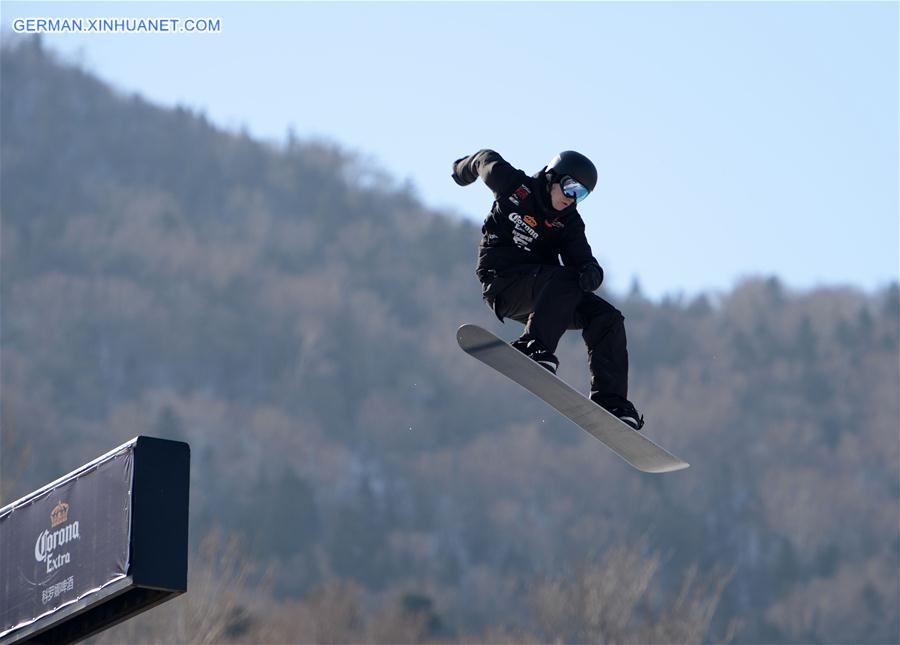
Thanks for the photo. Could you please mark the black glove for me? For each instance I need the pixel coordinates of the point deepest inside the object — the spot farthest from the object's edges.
(590, 278)
(459, 180)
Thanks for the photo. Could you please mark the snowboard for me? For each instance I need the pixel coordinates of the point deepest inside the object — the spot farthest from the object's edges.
(622, 439)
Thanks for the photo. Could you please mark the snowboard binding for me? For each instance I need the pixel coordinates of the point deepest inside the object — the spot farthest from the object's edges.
(620, 408)
(536, 351)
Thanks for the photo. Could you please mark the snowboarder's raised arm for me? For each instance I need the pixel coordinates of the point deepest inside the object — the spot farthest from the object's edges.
(499, 175)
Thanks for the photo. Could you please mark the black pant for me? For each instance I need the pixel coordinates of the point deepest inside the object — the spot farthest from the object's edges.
(548, 301)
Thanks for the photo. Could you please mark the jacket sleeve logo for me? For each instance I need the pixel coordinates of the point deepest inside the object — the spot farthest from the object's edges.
(519, 194)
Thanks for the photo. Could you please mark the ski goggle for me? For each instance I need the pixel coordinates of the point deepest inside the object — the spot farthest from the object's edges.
(573, 190)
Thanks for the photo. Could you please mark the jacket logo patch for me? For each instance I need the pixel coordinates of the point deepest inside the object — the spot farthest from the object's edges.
(523, 234)
(519, 194)
(530, 221)
(553, 223)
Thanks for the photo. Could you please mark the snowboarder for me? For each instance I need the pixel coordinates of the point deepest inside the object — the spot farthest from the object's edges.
(533, 222)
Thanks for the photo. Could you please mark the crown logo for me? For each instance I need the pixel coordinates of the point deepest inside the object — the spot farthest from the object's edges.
(59, 515)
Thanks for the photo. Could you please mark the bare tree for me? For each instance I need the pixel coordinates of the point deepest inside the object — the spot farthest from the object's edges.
(218, 607)
(615, 601)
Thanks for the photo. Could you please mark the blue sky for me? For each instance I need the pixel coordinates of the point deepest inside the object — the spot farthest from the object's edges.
(732, 139)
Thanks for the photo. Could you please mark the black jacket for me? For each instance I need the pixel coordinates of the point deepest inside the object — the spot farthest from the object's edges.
(522, 228)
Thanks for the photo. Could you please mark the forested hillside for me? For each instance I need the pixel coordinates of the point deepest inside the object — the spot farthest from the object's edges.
(291, 312)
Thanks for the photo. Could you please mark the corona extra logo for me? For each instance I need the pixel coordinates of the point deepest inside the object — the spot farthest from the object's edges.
(59, 515)
(530, 221)
(61, 533)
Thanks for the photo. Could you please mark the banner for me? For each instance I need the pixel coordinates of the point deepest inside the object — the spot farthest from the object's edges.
(66, 540)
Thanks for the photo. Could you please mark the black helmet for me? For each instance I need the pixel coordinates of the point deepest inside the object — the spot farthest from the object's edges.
(575, 165)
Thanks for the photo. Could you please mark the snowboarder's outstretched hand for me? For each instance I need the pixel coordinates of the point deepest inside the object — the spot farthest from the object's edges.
(590, 278)
(460, 176)
(458, 180)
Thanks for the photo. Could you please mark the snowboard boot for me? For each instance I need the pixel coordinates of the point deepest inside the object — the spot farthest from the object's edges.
(623, 409)
(535, 350)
